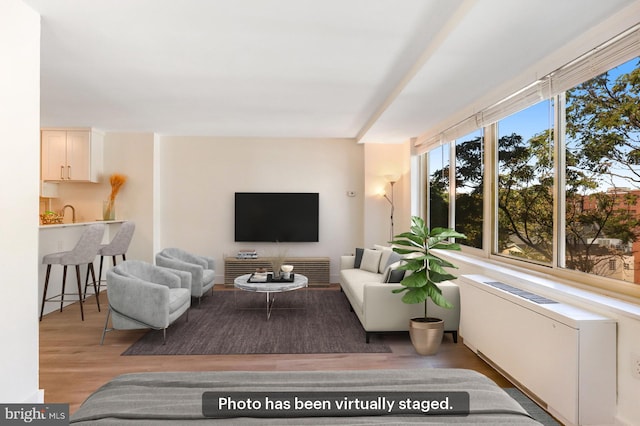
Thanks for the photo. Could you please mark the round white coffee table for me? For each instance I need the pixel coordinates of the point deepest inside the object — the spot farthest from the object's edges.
(270, 287)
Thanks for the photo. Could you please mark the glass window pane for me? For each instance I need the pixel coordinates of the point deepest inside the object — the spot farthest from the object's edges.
(438, 197)
(603, 174)
(525, 184)
(469, 188)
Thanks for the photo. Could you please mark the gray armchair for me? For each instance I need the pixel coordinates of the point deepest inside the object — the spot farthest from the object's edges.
(202, 268)
(142, 295)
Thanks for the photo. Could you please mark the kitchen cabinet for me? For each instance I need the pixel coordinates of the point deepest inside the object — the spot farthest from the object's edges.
(71, 155)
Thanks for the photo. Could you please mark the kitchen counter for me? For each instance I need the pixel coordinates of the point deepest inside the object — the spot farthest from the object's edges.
(65, 225)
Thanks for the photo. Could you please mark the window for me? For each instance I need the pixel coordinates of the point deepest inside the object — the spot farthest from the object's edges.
(469, 188)
(525, 184)
(560, 160)
(603, 171)
(438, 187)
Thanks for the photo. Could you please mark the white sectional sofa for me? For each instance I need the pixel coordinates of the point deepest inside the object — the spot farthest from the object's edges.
(368, 287)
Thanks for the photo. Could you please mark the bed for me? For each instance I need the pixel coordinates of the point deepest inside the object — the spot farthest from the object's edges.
(177, 397)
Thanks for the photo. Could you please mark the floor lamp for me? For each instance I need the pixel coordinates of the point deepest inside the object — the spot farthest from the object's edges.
(392, 179)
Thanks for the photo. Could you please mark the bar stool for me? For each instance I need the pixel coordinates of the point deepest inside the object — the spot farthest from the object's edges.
(117, 247)
(83, 253)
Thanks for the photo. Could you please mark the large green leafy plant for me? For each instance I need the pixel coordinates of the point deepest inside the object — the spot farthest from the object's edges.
(427, 269)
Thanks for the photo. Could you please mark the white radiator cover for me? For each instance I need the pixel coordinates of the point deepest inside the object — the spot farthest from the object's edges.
(565, 357)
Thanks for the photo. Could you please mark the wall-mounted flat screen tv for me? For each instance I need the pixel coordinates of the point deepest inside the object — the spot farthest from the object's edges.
(276, 216)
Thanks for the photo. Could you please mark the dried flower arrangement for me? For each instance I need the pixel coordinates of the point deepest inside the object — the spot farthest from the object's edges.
(116, 180)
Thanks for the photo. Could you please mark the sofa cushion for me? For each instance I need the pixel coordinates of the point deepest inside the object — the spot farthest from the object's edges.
(208, 275)
(371, 260)
(392, 274)
(356, 279)
(384, 257)
(393, 258)
(358, 259)
(178, 297)
(353, 275)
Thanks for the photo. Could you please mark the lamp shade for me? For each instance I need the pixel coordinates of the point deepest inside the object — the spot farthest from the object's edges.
(392, 178)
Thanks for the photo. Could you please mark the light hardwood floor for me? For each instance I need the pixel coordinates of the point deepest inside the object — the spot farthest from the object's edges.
(73, 364)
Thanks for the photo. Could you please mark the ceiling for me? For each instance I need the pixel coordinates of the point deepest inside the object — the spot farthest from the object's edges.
(374, 70)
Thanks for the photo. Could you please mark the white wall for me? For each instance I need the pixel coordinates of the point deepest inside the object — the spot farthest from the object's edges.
(199, 176)
(381, 160)
(19, 182)
(132, 154)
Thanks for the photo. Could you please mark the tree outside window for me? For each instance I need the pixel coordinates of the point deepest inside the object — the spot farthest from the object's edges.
(603, 173)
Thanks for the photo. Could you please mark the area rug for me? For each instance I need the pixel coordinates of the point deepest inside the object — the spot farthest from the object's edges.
(532, 408)
(235, 322)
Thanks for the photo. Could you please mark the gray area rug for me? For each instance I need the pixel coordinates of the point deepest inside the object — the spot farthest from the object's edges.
(532, 408)
(234, 322)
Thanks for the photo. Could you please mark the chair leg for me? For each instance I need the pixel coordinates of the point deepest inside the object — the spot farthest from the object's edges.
(95, 288)
(79, 291)
(164, 336)
(64, 283)
(44, 294)
(104, 331)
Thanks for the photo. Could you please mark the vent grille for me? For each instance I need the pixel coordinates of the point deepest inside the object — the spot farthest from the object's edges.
(522, 293)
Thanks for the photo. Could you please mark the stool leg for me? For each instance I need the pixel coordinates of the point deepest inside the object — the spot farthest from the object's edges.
(124, 257)
(95, 288)
(86, 284)
(64, 282)
(80, 291)
(100, 273)
(44, 294)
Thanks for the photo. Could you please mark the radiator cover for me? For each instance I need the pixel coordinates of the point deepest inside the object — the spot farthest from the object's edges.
(563, 356)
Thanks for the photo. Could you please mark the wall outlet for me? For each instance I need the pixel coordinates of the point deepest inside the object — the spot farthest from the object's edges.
(635, 365)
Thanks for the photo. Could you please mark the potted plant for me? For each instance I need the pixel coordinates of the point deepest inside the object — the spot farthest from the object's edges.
(427, 270)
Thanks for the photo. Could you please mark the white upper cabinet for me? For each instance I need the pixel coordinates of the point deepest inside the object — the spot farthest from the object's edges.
(71, 155)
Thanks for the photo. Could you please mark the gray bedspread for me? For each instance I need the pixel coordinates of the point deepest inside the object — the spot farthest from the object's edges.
(176, 397)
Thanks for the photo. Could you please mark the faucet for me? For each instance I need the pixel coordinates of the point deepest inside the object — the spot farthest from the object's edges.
(73, 212)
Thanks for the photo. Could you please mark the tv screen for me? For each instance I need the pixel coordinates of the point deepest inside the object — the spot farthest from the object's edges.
(276, 216)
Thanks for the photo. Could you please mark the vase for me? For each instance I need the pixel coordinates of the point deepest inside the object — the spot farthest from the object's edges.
(108, 210)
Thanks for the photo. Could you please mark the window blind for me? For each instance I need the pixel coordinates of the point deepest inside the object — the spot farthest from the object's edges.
(600, 60)
(622, 48)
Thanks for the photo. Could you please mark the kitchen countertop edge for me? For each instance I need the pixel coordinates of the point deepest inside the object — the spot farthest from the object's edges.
(65, 225)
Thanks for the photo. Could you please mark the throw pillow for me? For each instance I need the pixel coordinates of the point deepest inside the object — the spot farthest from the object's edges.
(358, 260)
(393, 258)
(370, 260)
(384, 258)
(392, 274)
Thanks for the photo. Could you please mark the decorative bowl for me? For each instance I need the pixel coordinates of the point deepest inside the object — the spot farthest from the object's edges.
(51, 218)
